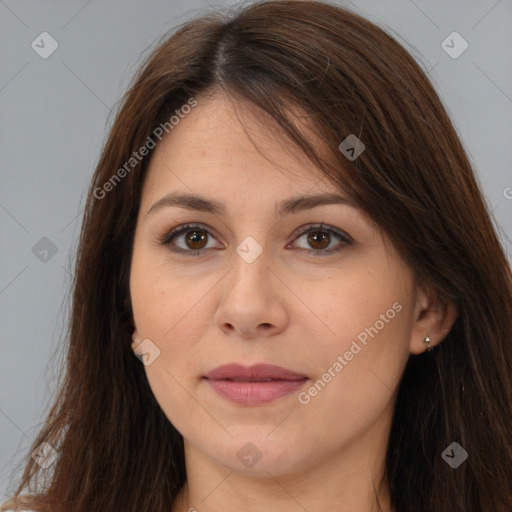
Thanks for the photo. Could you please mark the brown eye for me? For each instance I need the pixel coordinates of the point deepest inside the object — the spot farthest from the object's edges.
(196, 239)
(193, 240)
(318, 239)
(189, 239)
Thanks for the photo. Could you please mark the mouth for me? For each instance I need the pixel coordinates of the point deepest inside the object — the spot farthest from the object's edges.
(254, 385)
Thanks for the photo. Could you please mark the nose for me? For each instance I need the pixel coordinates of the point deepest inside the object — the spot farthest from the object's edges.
(252, 303)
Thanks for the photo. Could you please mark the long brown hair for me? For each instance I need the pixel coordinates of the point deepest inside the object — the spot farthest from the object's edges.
(117, 450)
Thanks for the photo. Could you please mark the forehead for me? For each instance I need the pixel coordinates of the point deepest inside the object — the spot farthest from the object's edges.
(223, 140)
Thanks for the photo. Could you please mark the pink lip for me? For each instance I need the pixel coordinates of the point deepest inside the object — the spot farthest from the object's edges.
(249, 385)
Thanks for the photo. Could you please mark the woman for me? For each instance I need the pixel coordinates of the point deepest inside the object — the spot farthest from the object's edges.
(285, 230)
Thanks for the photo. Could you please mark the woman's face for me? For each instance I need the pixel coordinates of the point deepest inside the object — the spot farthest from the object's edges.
(257, 282)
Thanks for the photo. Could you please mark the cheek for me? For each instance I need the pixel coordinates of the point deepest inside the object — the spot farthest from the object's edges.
(171, 314)
(162, 298)
(360, 359)
(368, 306)
(355, 385)
(169, 388)
(173, 311)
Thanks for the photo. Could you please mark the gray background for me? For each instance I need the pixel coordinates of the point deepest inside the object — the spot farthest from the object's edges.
(54, 115)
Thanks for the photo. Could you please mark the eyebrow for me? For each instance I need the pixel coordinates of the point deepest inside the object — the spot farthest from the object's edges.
(285, 207)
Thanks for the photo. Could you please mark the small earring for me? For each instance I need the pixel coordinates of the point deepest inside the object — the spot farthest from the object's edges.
(427, 342)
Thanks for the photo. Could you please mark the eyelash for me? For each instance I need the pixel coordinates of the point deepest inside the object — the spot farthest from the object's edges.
(166, 240)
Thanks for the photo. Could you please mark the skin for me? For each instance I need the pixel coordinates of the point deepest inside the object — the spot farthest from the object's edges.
(288, 307)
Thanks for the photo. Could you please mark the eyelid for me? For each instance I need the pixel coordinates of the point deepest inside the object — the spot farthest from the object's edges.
(178, 230)
(323, 227)
(166, 240)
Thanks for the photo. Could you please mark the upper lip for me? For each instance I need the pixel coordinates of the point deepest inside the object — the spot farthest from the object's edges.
(255, 372)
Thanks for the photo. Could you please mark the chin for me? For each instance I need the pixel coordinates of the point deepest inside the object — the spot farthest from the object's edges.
(258, 456)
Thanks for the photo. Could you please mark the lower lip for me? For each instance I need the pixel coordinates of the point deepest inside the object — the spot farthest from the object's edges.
(255, 393)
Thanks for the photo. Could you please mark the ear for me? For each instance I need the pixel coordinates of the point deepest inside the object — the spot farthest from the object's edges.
(433, 317)
(136, 339)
